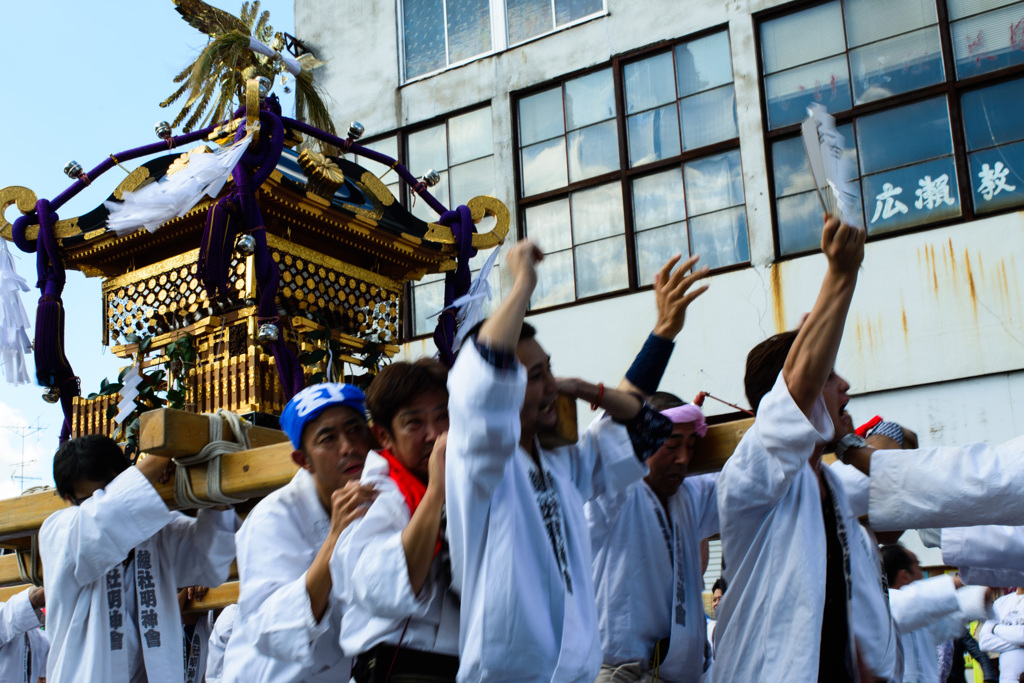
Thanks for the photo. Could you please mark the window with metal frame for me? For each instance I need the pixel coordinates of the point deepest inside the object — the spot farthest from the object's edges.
(623, 166)
(924, 92)
(438, 34)
(461, 150)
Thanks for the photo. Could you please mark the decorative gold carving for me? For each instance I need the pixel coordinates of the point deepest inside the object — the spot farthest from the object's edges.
(252, 105)
(25, 199)
(224, 132)
(377, 189)
(181, 163)
(478, 207)
(323, 176)
(134, 181)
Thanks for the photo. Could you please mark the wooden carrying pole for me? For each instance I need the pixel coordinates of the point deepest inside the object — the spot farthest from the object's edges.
(217, 597)
(247, 474)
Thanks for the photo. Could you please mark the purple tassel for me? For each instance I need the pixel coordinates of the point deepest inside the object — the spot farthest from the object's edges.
(52, 366)
(218, 245)
(456, 283)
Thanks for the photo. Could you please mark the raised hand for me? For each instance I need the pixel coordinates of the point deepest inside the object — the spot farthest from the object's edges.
(522, 262)
(674, 292)
(843, 245)
(436, 464)
(348, 504)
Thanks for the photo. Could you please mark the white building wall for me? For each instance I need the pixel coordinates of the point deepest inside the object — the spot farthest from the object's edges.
(935, 337)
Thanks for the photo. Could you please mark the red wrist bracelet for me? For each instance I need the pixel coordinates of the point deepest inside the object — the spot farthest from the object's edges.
(600, 394)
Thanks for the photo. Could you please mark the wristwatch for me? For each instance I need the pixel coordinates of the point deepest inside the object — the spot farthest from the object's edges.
(847, 442)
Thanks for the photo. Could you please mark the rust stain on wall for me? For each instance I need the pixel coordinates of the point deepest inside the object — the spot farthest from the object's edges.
(952, 259)
(860, 340)
(970, 282)
(778, 305)
(903, 319)
(935, 270)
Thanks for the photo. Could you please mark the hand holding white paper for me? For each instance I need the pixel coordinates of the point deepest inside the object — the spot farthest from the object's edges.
(830, 165)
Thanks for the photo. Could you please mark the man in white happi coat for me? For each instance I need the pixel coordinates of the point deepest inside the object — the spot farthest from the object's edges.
(113, 562)
(219, 638)
(1005, 634)
(650, 613)
(23, 645)
(647, 565)
(401, 617)
(286, 629)
(928, 612)
(787, 530)
(520, 546)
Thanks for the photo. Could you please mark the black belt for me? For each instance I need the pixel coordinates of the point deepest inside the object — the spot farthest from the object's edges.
(660, 650)
(384, 661)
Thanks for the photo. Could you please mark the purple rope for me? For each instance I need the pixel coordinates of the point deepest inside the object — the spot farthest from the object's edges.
(264, 161)
(348, 146)
(127, 155)
(52, 366)
(456, 283)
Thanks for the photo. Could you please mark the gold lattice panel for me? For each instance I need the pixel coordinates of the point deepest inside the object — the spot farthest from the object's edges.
(165, 295)
(355, 301)
(169, 295)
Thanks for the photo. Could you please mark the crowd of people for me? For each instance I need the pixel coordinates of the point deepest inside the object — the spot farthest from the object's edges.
(446, 526)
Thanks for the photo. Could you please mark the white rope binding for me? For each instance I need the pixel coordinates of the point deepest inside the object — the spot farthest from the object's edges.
(211, 453)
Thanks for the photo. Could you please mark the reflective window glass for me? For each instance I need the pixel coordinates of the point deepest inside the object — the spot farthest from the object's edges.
(900, 136)
(469, 136)
(703, 63)
(589, 99)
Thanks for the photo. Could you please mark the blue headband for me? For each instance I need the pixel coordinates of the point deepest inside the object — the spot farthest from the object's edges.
(311, 401)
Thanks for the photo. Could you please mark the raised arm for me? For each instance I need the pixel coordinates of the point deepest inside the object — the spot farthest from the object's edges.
(500, 332)
(813, 355)
(673, 293)
(420, 537)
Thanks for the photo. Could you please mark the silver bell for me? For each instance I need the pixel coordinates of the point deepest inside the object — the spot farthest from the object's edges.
(51, 394)
(431, 178)
(73, 170)
(246, 245)
(268, 333)
(355, 130)
(163, 130)
(265, 84)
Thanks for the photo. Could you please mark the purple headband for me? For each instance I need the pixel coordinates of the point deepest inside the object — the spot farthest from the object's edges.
(688, 413)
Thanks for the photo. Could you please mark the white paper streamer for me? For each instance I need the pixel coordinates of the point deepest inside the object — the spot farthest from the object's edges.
(14, 321)
(290, 63)
(129, 392)
(175, 195)
(470, 306)
(831, 167)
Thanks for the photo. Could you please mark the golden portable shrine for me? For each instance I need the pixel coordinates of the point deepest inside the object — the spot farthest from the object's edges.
(240, 262)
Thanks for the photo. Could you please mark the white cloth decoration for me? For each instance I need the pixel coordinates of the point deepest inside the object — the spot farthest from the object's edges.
(174, 195)
(129, 391)
(290, 63)
(14, 322)
(470, 306)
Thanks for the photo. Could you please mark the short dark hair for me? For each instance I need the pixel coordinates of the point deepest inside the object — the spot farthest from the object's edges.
(399, 384)
(663, 400)
(719, 584)
(764, 363)
(895, 558)
(528, 331)
(93, 457)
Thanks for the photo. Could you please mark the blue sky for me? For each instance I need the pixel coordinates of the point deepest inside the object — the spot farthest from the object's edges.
(84, 80)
